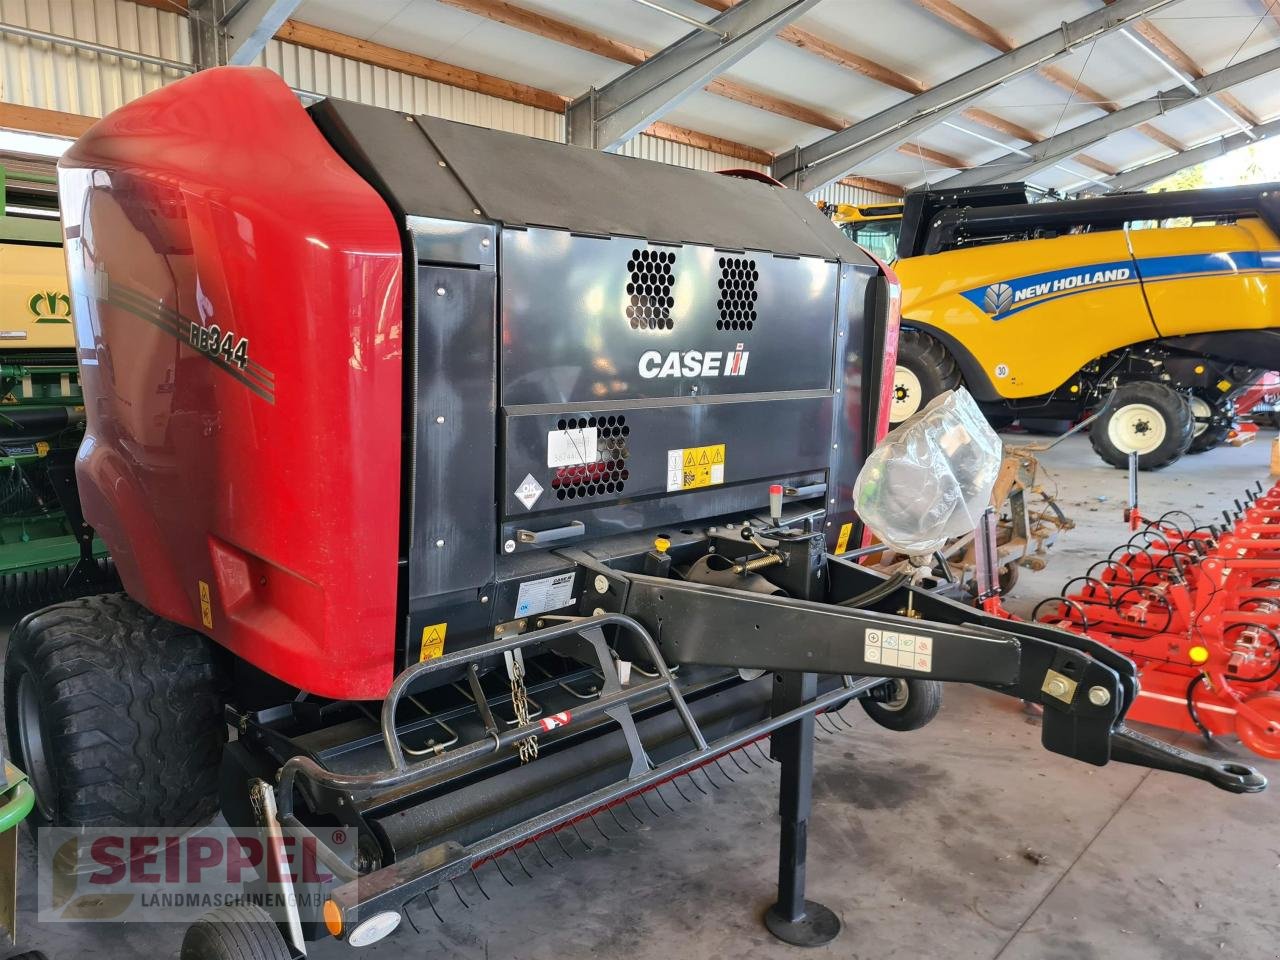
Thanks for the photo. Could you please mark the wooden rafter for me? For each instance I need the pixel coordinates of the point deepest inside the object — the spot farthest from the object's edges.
(935, 157)
(875, 186)
(14, 116)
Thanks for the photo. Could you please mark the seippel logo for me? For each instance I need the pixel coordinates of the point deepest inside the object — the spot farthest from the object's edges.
(694, 363)
(49, 306)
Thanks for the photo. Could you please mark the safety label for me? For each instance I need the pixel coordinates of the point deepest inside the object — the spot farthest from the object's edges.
(529, 491)
(842, 544)
(556, 720)
(572, 448)
(539, 596)
(695, 467)
(906, 651)
(432, 641)
(206, 606)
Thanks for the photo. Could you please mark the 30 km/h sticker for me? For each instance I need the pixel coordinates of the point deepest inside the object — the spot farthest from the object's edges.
(695, 467)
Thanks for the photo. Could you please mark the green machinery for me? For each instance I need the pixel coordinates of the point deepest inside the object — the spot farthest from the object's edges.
(46, 550)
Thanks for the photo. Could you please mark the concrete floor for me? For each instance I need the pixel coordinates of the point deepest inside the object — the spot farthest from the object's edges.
(963, 840)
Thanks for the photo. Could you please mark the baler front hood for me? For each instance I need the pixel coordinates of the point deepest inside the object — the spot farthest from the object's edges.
(237, 298)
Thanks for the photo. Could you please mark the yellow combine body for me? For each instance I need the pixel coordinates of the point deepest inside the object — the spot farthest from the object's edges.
(875, 227)
(35, 306)
(1167, 302)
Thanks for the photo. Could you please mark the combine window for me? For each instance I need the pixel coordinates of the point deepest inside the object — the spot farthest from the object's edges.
(878, 237)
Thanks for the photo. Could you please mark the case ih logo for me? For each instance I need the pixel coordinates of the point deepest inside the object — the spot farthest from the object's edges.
(50, 307)
(694, 363)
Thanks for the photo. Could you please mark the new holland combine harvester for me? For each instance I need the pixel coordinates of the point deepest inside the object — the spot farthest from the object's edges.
(427, 455)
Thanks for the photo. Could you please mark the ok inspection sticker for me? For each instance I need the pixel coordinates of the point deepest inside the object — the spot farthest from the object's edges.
(695, 467)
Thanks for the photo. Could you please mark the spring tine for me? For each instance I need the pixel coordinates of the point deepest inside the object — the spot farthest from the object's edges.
(616, 820)
(626, 801)
(497, 862)
(458, 895)
(479, 886)
(563, 848)
(433, 907)
(537, 846)
(724, 771)
(756, 744)
(705, 772)
(408, 916)
(689, 774)
(817, 719)
(658, 790)
(597, 825)
(581, 838)
(646, 802)
(520, 860)
(675, 782)
(736, 763)
(750, 759)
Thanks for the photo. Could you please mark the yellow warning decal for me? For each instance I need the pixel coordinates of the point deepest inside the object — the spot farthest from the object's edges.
(206, 606)
(432, 641)
(842, 544)
(695, 467)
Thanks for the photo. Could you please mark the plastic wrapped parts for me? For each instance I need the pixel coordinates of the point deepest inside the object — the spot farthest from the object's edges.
(930, 479)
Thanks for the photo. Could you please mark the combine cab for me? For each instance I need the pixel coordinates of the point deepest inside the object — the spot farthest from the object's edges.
(428, 453)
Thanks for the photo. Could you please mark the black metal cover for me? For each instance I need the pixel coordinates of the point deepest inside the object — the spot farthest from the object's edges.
(580, 322)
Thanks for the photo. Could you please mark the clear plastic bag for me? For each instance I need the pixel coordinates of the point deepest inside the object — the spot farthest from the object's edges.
(930, 479)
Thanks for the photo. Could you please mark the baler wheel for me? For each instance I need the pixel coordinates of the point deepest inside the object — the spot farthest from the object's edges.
(911, 704)
(1262, 740)
(115, 714)
(235, 933)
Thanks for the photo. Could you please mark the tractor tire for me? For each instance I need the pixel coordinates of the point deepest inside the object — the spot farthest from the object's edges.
(912, 704)
(115, 715)
(925, 370)
(235, 933)
(1205, 433)
(1145, 416)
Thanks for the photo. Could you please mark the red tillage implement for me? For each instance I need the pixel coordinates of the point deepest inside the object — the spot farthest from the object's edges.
(1198, 609)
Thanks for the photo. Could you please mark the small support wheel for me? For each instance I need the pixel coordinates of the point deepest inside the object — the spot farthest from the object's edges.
(235, 933)
(818, 926)
(1264, 739)
(909, 705)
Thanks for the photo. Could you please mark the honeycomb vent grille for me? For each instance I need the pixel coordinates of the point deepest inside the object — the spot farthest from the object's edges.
(649, 292)
(608, 475)
(737, 304)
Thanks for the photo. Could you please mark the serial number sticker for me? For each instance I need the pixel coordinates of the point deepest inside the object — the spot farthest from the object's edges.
(206, 606)
(539, 596)
(572, 448)
(842, 544)
(694, 467)
(432, 641)
(906, 651)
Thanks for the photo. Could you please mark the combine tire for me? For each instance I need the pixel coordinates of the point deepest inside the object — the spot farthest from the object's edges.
(924, 371)
(911, 704)
(235, 933)
(114, 714)
(1151, 418)
(1211, 426)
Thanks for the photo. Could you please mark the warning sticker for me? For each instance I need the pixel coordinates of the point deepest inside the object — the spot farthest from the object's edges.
(539, 596)
(556, 720)
(572, 448)
(529, 491)
(842, 544)
(906, 651)
(206, 606)
(695, 467)
(432, 641)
